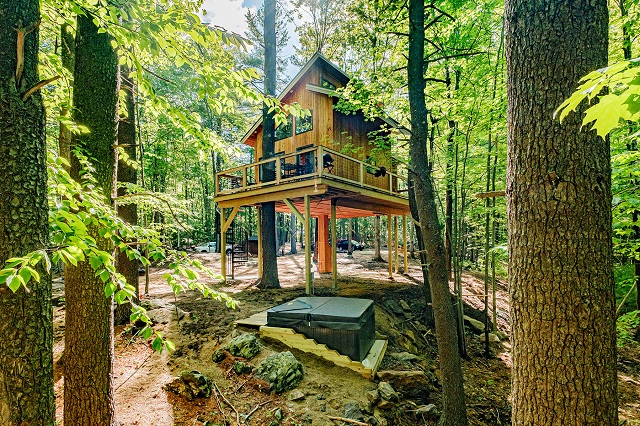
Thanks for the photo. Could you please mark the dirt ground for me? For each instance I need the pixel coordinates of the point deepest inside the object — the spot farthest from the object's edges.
(140, 375)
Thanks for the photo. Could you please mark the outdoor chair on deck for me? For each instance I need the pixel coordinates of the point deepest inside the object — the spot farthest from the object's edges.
(327, 163)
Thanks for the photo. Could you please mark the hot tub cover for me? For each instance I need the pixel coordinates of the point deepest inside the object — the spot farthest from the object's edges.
(338, 313)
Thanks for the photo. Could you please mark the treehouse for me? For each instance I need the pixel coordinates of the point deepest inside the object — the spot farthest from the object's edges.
(327, 165)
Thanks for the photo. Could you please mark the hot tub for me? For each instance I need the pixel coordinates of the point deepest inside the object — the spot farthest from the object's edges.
(344, 324)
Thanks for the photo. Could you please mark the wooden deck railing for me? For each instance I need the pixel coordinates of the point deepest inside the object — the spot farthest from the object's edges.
(314, 162)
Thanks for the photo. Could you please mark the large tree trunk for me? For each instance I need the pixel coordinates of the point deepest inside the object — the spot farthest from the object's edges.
(268, 214)
(88, 392)
(453, 401)
(559, 214)
(127, 174)
(26, 324)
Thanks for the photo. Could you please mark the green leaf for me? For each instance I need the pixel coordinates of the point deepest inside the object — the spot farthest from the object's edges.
(147, 332)
(157, 344)
(95, 261)
(13, 283)
(25, 273)
(109, 288)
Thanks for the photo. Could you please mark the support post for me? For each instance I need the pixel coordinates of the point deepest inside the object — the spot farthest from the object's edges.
(223, 247)
(307, 243)
(389, 252)
(395, 244)
(259, 242)
(323, 249)
(334, 246)
(406, 244)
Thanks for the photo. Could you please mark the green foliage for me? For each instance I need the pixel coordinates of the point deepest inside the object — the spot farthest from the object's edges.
(626, 326)
(620, 84)
(77, 207)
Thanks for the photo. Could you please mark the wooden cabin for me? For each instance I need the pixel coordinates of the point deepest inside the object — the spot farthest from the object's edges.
(327, 165)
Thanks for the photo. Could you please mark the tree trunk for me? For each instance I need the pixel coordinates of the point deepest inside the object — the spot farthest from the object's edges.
(127, 174)
(377, 257)
(558, 194)
(268, 214)
(453, 401)
(26, 327)
(293, 229)
(88, 392)
(67, 56)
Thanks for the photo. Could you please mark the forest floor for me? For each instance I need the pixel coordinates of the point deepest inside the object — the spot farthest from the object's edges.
(140, 375)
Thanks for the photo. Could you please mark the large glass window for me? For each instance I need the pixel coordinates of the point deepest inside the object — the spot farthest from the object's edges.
(304, 124)
(285, 130)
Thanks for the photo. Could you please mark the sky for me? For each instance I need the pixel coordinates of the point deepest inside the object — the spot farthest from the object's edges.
(230, 15)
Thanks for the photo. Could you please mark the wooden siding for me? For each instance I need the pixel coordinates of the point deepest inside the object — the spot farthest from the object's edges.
(322, 108)
(351, 136)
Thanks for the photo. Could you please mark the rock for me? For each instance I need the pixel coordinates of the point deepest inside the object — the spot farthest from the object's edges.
(492, 338)
(477, 327)
(244, 345)
(387, 392)
(191, 384)
(385, 405)
(273, 423)
(218, 355)
(404, 356)
(394, 307)
(428, 411)
(242, 367)
(410, 335)
(164, 313)
(282, 371)
(379, 416)
(320, 397)
(404, 305)
(411, 384)
(296, 395)
(380, 336)
(502, 335)
(323, 408)
(352, 411)
(405, 343)
(373, 396)
(278, 414)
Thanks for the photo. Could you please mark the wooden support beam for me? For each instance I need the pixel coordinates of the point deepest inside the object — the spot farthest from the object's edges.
(491, 194)
(307, 244)
(226, 224)
(389, 246)
(259, 242)
(405, 244)
(395, 244)
(334, 246)
(223, 247)
(293, 209)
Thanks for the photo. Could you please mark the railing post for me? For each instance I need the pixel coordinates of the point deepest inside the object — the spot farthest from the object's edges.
(278, 161)
(361, 173)
(244, 178)
(320, 160)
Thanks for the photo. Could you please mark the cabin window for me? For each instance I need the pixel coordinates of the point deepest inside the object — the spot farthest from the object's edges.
(304, 124)
(285, 130)
(327, 84)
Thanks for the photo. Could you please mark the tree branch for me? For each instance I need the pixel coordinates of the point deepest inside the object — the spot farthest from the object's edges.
(38, 86)
(22, 32)
(457, 55)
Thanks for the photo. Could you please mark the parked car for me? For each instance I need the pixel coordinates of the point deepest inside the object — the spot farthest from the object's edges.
(343, 244)
(210, 247)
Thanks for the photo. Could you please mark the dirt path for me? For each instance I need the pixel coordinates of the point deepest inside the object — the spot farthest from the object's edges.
(139, 374)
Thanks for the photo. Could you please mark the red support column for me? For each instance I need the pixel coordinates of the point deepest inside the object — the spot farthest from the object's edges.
(324, 249)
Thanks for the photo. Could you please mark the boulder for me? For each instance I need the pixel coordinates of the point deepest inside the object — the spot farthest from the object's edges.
(282, 371)
(492, 338)
(404, 356)
(191, 384)
(352, 411)
(394, 307)
(387, 392)
(218, 355)
(242, 367)
(411, 384)
(245, 345)
(404, 305)
(428, 411)
(296, 395)
(477, 327)
(373, 396)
